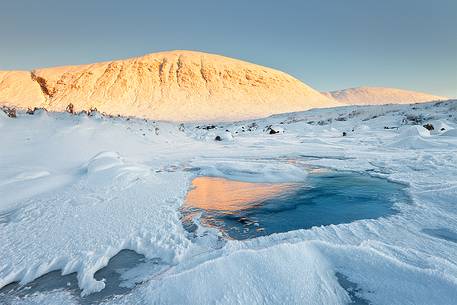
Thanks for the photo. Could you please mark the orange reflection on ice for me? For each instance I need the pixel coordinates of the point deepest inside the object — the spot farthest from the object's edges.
(211, 193)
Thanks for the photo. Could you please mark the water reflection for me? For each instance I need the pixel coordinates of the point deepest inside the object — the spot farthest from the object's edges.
(212, 193)
(242, 210)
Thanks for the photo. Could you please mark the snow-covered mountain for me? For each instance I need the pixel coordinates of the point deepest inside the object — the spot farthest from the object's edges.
(175, 85)
(381, 95)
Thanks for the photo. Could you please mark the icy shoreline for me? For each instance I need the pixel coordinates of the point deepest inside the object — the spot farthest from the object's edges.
(95, 186)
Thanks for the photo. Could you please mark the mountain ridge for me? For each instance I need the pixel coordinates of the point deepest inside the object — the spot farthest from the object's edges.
(174, 85)
(380, 95)
(182, 85)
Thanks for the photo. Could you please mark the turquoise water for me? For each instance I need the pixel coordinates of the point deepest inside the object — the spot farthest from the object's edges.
(325, 198)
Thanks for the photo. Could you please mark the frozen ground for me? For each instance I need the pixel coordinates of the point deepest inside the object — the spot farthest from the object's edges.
(76, 190)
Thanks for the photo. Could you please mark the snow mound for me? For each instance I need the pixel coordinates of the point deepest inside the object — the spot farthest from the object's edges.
(414, 131)
(103, 161)
(106, 167)
(282, 274)
(254, 171)
(414, 137)
(450, 133)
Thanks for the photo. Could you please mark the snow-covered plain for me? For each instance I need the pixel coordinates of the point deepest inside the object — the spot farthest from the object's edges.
(76, 190)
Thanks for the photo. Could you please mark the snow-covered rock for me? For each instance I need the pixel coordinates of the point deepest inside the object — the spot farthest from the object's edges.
(413, 131)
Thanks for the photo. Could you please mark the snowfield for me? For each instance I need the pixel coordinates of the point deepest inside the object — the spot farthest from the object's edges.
(75, 190)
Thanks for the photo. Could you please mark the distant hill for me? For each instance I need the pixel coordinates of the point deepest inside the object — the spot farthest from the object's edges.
(175, 85)
(380, 95)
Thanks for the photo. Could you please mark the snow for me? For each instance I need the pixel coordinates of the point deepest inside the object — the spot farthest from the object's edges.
(300, 274)
(175, 85)
(450, 133)
(58, 297)
(76, 190)
(381, 95)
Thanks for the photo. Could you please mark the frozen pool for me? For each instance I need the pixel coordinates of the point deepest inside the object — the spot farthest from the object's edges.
(242, 210)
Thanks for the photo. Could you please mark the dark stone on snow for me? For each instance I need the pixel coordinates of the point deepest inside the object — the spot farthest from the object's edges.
(92, 111)
(70, 108)
(35, 109)
(429, 126)
(270, 130)
(10, 112)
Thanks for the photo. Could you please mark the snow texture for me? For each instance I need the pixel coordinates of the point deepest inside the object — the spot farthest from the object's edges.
(76, 190)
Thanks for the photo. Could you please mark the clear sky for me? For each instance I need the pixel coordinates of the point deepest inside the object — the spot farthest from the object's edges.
(329, 44)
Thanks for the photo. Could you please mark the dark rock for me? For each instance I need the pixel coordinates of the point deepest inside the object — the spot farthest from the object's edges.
(429, 126)
(70, 108)
(414, 119)
(10, 112)
(35, 109)
(207, 127)
(92, 111)
(272, 130)
(344, 133)
(252, 126)
(443, 129)
(217, 138)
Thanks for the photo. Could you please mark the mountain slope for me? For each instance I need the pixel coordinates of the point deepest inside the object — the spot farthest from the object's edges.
(380, 95)
(18, 89)
(175, 85)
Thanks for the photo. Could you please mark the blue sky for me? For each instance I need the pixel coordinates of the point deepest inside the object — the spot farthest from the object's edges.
(330, 45)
